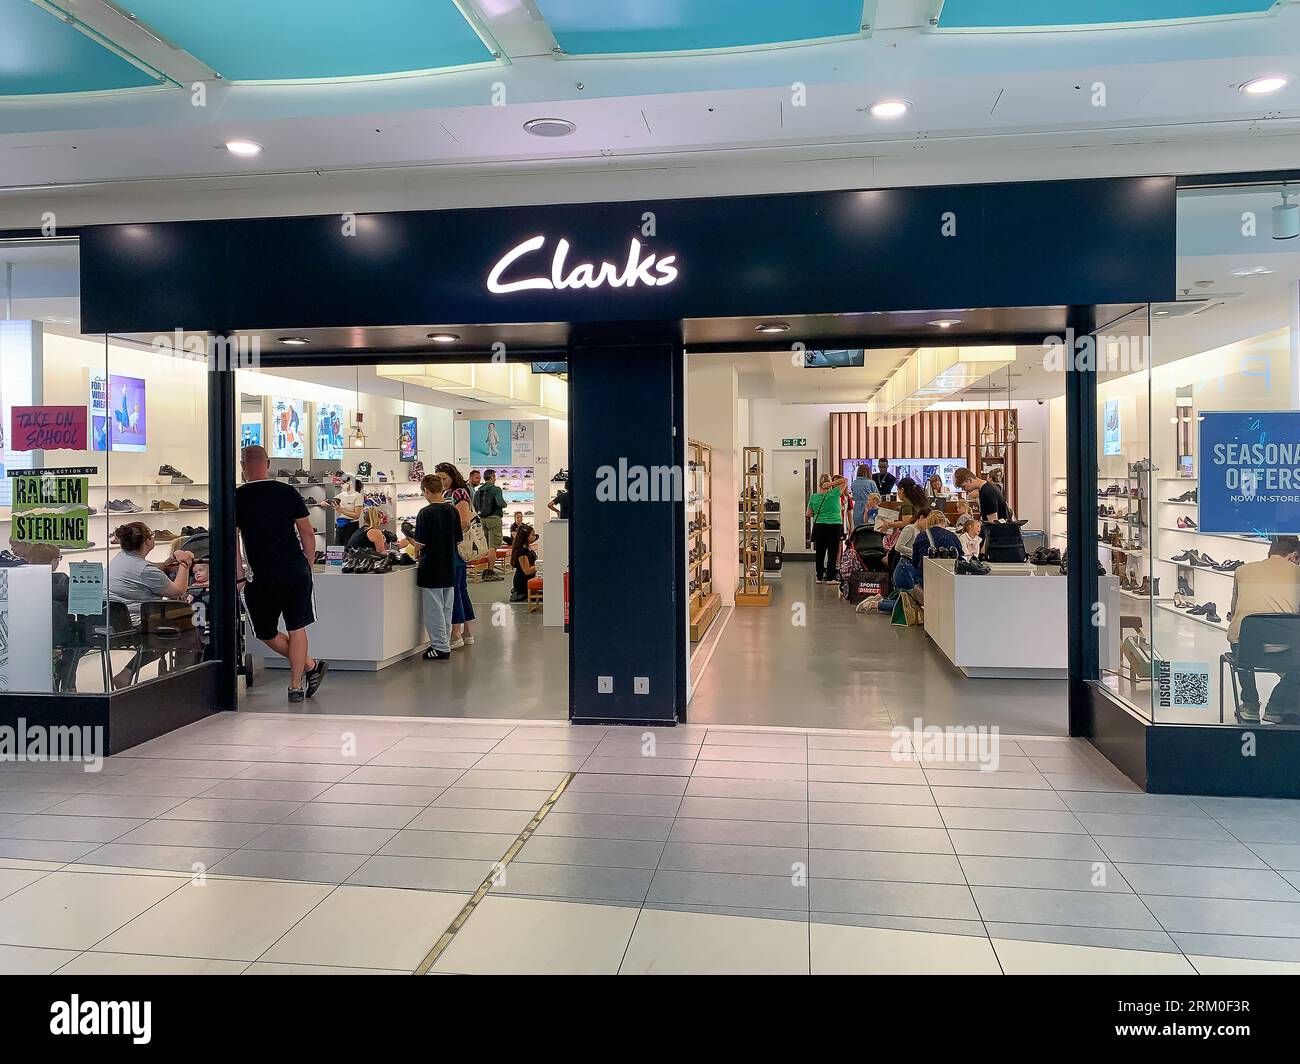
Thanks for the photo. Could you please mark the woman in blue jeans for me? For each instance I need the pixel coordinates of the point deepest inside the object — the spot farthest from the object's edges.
(462, 609)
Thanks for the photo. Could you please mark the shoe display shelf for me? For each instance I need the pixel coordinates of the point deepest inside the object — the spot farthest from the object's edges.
(752, 588)
(516, 484)
(705, 603)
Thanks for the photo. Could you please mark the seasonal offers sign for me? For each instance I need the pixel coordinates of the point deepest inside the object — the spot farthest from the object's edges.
(47, 428)
(51, 506)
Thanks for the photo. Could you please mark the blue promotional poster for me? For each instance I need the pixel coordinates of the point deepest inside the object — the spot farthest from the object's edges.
(407, 438)
(250, 434)
(1250, 472)
(1110, 428)
(330, 423)
(490, 443)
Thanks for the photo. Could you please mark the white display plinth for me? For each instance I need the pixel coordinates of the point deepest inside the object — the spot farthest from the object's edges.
(364, 621)
(1010, 623)
(555, 564)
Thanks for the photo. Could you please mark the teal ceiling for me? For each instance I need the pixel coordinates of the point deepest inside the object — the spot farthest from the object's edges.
(611, 27)
(41, 54)
(282, 40)
(1048, 14)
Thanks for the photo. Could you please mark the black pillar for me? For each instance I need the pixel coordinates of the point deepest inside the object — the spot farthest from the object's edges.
(1081, 525)
(222, 457)
(626, 541)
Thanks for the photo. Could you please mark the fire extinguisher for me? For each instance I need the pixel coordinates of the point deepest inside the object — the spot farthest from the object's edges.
(566, 601)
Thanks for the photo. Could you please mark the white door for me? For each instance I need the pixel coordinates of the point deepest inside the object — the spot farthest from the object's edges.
(793, 478)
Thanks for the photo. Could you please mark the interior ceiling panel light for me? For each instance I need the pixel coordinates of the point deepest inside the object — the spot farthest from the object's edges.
(772, 327)
(889, 108)
(1264, 85)
(1286, 218)
(243, 148)
(292, 341)
(443, 338)
(549, 127)
(945, 323)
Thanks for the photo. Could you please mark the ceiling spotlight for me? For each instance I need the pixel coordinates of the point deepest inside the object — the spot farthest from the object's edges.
(772, 327)
(889, 108)
(443, 338)
(945, 323)
(1250, 271)
(244, 148)
(1286, 218)
(1263, 86)
(292, 341)
(549, 127)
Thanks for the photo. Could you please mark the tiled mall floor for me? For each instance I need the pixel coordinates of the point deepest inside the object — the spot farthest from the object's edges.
(333, 844)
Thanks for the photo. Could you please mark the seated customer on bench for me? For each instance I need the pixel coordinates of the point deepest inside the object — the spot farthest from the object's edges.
(133, 579)
(1268, 586)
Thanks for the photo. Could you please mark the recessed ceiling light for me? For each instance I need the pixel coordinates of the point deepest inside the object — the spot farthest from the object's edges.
(292, 341)
(1250, 271)
(1263, 86)
(549, 127)
(244, 148)
(772, 327)
(889, 108)
(945, 323)
(443, 338)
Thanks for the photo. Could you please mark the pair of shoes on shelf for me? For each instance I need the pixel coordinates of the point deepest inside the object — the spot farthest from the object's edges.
(1187, 496)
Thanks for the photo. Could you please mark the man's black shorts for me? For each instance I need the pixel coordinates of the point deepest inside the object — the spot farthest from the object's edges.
(289, 597)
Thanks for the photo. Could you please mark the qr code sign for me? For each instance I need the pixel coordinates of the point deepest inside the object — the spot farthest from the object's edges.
(1190, 681)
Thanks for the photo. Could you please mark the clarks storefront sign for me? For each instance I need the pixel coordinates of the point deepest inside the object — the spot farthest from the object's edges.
(512, 271)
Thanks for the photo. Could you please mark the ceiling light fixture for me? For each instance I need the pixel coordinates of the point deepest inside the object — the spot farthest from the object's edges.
(1262, 86)
(292, 341)
(244, 148)
(889, 108)
(443, 338)
(549, 127)
(1286, 218)
(772, 327)
(1250, 271)
(945, 323)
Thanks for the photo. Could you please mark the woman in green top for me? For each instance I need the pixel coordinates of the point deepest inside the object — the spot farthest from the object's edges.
(827, 531)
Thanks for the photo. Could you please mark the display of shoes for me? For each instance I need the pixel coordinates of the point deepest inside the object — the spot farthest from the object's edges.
(319, 558)
(1187, 496)
(1186, 522)
(561, 477)
(383, 565)
(161, 505)
(177, 476)
(193, 504)
(160, 535)
(123, 506)
(403, 560)
(194, 530)
(1137, 652)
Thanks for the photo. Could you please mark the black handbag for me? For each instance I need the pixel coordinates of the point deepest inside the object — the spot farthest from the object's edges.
(1003, 542)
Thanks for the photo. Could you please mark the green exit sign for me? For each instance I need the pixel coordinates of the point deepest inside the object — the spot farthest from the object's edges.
(794, 443)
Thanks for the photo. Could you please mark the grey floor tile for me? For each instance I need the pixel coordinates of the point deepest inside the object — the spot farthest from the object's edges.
(1282, 856)
(751, 770)
(790, 915)
(790, 755)
(275, 790)
(1105, 937)
(51, 828)
(966, 928)
(721, 787)
(1025, 844)
(168, 858)
(869, 793)
(909, 816)
(165, 786)
(718, 857)
(942, 901)
(1130, 849)
(1250, 808)
(379, 794)
(512, 779)
(608, 853)
(44, 850)
(546, 747)
(343, 814)
(626, 783)
(432, 759)
(1096, 781)
(531, 762)
(492, 821)
(266, 770)
(1020, 781)
(422, 873)
(321, 838)
(997, 798)
(604, 764)
(1048, 872)
(232, 810)
(1259, 884)
(1227, 916)
(491, 798)
(1147, 804)
(1286, 832)
(792, 740)
(404, 776)
(906, 777)
(24, 802)
(1153, 827)
(739, 832)
(863, 758)
(574, 882)
(739, 891)
(606, 826)
(885, 866)
(1070, 908)
(461, 845)
(199, 833)
(878, 837)
(184, 767)
(826, 741)
(1060, 821)
(290, 864)
(1258, 948)
(743, 809)
(634, 804)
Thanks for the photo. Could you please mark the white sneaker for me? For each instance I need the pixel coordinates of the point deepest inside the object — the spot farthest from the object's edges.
(458, 644)
(469, 640)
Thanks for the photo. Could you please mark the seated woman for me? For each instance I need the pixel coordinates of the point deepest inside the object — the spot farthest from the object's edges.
(515, 526)
(899, 560)
(932, 535)
(523, 559)
(133, 579)
(370, 535)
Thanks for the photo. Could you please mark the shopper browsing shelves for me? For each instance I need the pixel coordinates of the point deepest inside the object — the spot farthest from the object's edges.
(437, 531)
(1268, 586)
(992, 504)
(277, 540)
(490, 504)
(456, 491)
(347, 506)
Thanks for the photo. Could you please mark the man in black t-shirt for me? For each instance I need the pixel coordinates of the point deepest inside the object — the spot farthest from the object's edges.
(437, 531)
(278, 542)
(992, 505)
(885, 480)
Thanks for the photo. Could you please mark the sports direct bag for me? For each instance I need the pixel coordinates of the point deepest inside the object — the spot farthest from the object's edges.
(473, 544)
(1003, 542)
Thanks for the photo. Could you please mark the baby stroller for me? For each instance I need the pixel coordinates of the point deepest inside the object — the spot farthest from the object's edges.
(863, 571)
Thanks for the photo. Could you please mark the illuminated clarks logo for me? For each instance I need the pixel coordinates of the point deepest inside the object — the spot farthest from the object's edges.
(640, 268)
